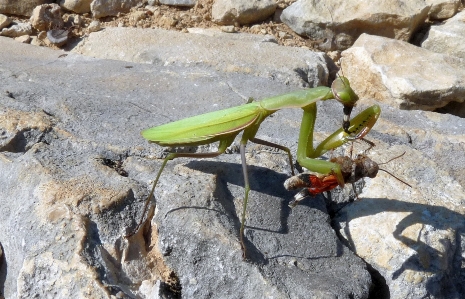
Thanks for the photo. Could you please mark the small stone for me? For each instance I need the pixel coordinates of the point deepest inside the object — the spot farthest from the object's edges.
(4, 21)
(282, 34)
(46, 17)
(228, 29)
(151, 8)
(35, 41)
(77, 20)
(25, 39)
(137, 16)
(94, 26)
(120, 24)
(58, 37)
(196, 18)
(168, 21)
(17, 29)
(185, 3)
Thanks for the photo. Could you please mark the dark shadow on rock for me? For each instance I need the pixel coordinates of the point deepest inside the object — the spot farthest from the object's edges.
(3, 271)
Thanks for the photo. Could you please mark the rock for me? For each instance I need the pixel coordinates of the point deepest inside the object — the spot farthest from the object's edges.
(83, 173)
(168, 21)
(77, 6)
(137, 16)
(241, 12)
(335, 25)
(4, 21)
(21, 8)
(443, 38)
(17, 29)
(187, 3)
(36, 41)
(23, 39)
(228, 29)
(412, 237)
(294, 66)
(103, 8)
(58, 37)
(94, 26)
(47, 17)
(403, 75)
(442, 9)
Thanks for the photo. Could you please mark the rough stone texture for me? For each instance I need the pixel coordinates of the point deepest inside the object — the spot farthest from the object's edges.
(443, 38)
(442, 9)
(230, 53)
(188, 3)
(77, 6)
(46, 17)
(17, 29)
(103, 8)
(337, 24)
(403, 75)
(227, 12)
(22, 7)
(414, 237)
(75, 173)
(4, 21)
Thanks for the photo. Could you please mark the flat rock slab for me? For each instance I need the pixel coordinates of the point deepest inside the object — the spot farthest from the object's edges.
(75, 173)
(224, 52)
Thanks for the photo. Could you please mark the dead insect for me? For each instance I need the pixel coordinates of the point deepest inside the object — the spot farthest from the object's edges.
(352, 171)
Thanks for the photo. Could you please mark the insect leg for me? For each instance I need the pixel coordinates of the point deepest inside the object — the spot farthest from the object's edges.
(271, 144)
(221, 149)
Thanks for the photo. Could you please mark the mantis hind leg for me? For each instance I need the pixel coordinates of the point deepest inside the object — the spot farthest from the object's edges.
(246, 198)
(221, 149)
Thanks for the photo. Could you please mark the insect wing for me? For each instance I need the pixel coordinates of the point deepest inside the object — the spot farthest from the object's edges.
(205, 126)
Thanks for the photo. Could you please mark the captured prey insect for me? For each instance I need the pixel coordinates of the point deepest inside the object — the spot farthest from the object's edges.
(223, 126)
(352, 171)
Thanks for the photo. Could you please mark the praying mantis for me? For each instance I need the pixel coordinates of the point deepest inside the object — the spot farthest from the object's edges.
(223, 126)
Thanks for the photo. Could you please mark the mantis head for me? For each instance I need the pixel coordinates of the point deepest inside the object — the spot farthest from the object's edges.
(346, 96)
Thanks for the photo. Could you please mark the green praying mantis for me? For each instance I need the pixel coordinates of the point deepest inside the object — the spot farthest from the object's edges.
(223, 126)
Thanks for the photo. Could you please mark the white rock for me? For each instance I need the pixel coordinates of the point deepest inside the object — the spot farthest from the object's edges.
(188, 3)
(94, 26)
(339, 23)
(403, 75)
(228, 29)
(227, 12)
(77, 6)
(445, 38)
(25, 39)
(58, 37)
(4, 21)
(17, 29)
(103, 8)
(46, 17)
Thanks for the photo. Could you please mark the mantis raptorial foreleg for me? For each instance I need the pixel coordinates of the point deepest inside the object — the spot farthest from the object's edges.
(225, 125)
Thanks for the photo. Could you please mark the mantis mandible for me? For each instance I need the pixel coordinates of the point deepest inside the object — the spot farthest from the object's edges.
(223, 126)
